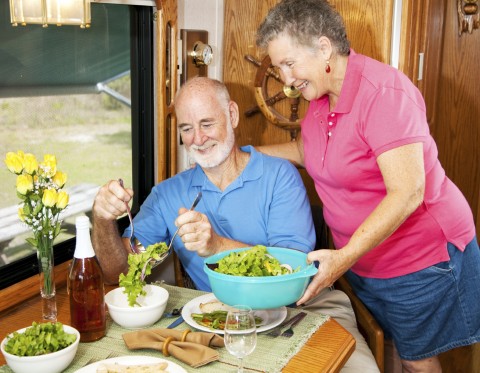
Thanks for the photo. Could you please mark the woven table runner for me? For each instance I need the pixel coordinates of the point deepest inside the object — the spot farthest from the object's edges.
(270, 355)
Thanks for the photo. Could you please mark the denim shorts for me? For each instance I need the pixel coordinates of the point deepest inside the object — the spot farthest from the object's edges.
(430, 311)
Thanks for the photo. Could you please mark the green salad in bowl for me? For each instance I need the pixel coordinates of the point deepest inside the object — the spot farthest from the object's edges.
(254, 262)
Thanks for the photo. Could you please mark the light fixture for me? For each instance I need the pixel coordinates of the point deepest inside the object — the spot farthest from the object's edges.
(45, 12)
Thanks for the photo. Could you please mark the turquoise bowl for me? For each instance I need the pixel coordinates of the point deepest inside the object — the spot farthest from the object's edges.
(262, 292)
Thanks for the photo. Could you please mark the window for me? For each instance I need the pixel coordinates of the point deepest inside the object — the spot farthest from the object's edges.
(85, 96)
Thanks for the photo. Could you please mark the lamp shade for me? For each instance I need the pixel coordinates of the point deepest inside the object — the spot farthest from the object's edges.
(45, 12)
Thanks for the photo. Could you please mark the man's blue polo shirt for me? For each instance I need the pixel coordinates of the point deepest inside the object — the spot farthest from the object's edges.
(266, 205)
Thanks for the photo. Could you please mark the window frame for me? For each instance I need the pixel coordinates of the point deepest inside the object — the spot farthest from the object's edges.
(143, 175)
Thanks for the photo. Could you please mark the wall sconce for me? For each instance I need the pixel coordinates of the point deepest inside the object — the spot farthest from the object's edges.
(45, 12)
(468, 16)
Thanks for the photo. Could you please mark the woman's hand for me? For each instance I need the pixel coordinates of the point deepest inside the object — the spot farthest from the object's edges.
(331, 265)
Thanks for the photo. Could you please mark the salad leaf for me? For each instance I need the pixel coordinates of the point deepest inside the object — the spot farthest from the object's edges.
(254, 262)
(140, 266)
(39, 339)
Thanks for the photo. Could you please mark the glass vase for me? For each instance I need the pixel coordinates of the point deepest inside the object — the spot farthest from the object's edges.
(47, 278)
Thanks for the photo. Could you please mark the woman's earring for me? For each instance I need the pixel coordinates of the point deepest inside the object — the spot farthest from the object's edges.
(327, 67)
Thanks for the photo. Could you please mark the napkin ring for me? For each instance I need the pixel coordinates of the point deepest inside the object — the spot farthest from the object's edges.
(165, 346)
(184, 335)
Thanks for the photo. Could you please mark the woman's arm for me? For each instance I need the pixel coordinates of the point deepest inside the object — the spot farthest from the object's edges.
(292, 151)
(404, 176)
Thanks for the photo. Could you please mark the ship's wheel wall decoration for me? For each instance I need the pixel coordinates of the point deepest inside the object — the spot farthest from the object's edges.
(271, 93)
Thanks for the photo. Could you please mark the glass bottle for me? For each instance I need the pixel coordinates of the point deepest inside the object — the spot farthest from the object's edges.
(85, 287)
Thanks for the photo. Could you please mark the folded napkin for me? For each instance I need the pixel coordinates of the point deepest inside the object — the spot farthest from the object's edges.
(193, 348)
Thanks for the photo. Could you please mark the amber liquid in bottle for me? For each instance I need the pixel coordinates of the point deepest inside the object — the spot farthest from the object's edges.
(86, 288)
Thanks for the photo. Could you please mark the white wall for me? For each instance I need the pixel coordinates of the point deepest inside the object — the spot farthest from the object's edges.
(205, 15)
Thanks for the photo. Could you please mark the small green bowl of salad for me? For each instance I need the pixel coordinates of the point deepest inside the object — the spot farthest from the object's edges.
(259, 277)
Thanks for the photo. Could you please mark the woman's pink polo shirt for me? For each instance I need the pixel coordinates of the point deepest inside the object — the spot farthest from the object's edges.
(380, 109)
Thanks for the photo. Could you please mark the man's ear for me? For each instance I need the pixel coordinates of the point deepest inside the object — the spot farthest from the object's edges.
(234, 113)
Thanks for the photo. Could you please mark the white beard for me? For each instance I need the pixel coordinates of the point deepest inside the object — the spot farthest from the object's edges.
(219, 153)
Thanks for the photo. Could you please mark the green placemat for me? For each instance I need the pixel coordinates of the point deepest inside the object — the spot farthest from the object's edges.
(270, 355)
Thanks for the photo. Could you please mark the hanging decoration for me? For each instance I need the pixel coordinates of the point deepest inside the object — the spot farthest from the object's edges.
(468, 16)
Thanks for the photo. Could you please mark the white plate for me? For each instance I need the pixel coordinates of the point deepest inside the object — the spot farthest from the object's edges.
(271, 318)
(132, 360)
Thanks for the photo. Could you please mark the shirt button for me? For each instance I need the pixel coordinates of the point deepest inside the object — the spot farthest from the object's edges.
(332, 115)
(330, 123)
(329, 133)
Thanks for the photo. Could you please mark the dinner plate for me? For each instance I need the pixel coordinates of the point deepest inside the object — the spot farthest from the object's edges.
(132, 360)
(270, 318)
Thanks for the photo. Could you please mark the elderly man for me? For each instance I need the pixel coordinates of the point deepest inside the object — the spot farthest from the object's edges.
(247, 198)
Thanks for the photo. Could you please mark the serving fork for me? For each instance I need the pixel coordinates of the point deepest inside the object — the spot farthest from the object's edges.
(133, 246)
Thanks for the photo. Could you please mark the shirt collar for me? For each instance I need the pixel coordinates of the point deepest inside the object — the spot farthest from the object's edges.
(351, 82)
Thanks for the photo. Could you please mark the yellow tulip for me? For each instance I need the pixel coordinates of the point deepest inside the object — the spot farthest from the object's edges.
(24, 183)
(60, 178)
(49, 165)
(14, 163)
(62, 200)
(30, 163)
(49, 198)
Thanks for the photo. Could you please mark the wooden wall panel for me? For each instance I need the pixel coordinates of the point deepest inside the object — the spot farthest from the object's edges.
(166, 86)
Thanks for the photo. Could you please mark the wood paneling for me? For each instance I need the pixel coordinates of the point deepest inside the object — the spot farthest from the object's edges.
(166, 85)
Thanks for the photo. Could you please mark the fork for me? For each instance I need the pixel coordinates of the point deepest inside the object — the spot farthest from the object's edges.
(129, 213)
(164, 256)
(194, 204)
(289, 332)
(275, 332)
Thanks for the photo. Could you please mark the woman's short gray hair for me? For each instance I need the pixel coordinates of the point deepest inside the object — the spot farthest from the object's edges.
(304, 21)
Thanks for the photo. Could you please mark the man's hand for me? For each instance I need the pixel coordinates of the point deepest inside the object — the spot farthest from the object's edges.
(196, 232)
(110, 201)
(111, 250)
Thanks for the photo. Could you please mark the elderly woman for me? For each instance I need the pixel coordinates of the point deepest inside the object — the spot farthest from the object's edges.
(404, 232)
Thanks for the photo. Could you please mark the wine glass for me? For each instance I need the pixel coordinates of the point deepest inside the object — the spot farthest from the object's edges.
(240, 333)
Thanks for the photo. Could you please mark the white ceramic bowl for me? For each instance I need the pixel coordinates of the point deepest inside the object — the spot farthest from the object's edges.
(152, 307)
(54, 362)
